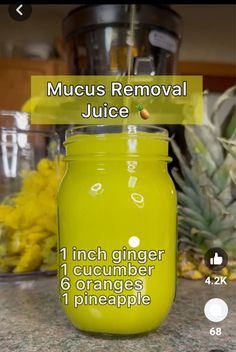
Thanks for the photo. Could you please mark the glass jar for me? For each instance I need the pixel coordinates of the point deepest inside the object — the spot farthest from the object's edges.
(29, 177)
(117, 229)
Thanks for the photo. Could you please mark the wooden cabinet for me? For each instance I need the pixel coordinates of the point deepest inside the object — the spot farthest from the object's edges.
(15, 79)
(217, 77)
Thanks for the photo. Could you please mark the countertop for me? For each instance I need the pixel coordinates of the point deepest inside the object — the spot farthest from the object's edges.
(31, 320)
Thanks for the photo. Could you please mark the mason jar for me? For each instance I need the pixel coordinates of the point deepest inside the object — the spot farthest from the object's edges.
(117, 229)
(29, 177)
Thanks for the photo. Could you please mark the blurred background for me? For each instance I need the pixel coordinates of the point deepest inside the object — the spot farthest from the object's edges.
(31, 167)
(35, 46)
(103, 40)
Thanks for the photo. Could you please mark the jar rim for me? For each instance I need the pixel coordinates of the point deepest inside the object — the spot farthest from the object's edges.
(131, 130)
(132, 140)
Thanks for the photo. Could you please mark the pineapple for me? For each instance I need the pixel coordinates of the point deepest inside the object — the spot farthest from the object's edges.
(207, 195)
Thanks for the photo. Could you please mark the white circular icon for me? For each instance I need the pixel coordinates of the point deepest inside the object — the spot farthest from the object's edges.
(216, 310)
(134, 241)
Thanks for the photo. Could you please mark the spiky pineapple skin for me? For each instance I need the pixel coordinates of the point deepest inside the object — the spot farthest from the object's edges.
(192, 266)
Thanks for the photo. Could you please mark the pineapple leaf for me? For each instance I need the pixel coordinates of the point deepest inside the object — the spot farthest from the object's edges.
(217, 208)
(199, 152)
(206, 183)
(229, 125)
(183, 226)
(233, 175)
(226, 224)
(228, 94)
(205, 234)
(229, 145)
(208, 138)
(191, 213)
(232, 208)
(221, 176)
(185, 188)
(188, 241)
(185, 232)
(226, 195)
(231, 238)
(206, 119)
(184, 168)
(194, 223)
(187, 201)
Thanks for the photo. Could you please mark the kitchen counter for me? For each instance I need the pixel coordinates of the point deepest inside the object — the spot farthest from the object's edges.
(32, 320)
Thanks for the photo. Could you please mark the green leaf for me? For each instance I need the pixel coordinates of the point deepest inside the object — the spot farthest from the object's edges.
(206, 234)
(183, 227)
(228, 94)
(206, 183)
(183, 231)
(221, 176)
(229, 145)
(195, 215)
(226, 195)
(187, 201)
(183, 185)
(196, 224)
(232, 208)
(225, 224)
(217, 208)
(184, 168)
(229, 125)
(207, 136)
(188, 241)
(233, 176)
(199, 152)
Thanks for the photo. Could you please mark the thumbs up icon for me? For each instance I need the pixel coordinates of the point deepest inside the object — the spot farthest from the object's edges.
(216, 260)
